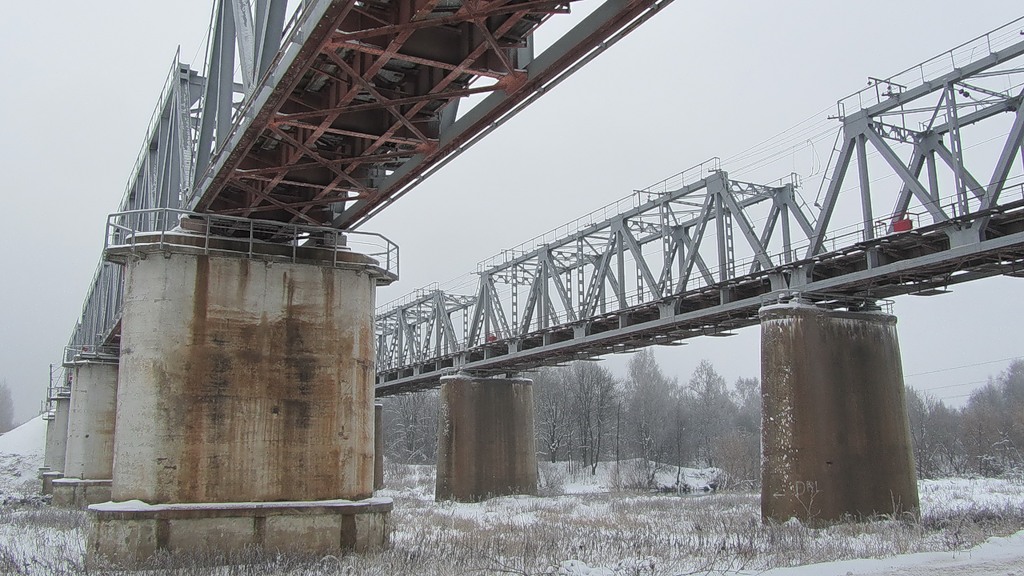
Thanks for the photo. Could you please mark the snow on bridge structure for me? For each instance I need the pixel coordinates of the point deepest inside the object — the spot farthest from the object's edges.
(227, 350)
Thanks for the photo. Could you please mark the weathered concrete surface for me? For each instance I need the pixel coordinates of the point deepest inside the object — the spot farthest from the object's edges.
(57, 434)
(48, 477)
(90, 442)
(129, 533)
(835, 434)
(245, 381)
(78, 493)
(485, 443)
(378, 446)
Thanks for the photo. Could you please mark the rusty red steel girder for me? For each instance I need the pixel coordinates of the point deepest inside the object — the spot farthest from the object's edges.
(366, 94)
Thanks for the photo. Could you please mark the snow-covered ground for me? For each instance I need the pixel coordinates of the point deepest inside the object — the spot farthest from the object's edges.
(952, 496)
(586, 525)
(21, 455)
(995, 557)
(557, 477)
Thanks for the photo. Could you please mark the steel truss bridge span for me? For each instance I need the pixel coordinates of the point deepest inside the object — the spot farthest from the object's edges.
(361, 102)
(938, 145)
(325, 117)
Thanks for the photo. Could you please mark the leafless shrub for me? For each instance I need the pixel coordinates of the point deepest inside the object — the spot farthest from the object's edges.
(551, 479)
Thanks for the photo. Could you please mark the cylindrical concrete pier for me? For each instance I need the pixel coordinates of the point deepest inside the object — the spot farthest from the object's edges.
(89, 457)
(57, 434)
(56, 441)
(835, 434)
(485, 443)
(90, 441)
(245, 406)
(245, 381)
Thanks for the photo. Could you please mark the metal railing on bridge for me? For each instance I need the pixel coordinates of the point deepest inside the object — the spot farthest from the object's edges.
(95, 336)
(165, 228)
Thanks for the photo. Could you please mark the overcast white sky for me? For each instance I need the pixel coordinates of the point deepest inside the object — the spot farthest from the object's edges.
(704, 78)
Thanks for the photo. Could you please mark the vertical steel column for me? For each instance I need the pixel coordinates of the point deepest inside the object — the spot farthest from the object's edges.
(865, 198)
(956, 147)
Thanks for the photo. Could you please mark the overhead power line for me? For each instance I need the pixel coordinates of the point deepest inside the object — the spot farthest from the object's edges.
(936, 371)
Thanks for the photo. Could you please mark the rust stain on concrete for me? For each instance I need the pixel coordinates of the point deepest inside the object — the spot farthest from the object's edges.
(274, 403)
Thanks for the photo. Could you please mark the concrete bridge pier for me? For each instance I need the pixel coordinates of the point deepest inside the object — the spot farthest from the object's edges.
(245, 415)
(835, 435)
(56, 440)
(89, 454)
(485, 444)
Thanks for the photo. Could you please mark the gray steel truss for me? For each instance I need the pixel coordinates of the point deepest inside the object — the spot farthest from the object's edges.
(252, 33)
(159, 180)
(311, 89)
(191, 115)
(362, 100)
(925, 190)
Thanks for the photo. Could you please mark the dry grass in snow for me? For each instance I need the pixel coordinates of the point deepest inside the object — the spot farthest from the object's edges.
(585, 525)
(594, 533)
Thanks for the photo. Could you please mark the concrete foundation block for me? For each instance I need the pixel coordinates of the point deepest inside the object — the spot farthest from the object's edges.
(835, 433)
(223, 534)
(79, 493)
(485, 444)
(127, 534)
(125, 542)
(318, 534)
(368, 531)
(48, 477)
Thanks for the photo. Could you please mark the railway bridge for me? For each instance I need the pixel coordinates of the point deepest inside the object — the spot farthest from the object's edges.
(219, 387)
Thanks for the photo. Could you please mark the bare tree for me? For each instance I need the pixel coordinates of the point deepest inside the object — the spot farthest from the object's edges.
(993, 422)
(738, 450)
(747, 396)
(592, 393)
(552, 423)
(410, 421)
(947, 434)
(712, 410)
(647, 394)
(6, 407)
(917, 414)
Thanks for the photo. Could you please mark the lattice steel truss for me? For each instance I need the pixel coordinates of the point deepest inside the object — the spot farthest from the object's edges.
(699, 253)
(362, 101)
(329, 115)
(161, 176)
(59, 387)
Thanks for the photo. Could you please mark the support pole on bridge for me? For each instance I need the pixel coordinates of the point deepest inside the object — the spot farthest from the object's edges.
(485, 439)
(835, 435)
